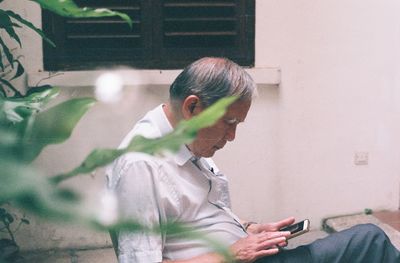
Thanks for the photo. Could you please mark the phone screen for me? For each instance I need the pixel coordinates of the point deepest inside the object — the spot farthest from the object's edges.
(294, 228)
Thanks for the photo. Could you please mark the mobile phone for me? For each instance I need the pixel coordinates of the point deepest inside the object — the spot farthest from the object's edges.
(297, 228)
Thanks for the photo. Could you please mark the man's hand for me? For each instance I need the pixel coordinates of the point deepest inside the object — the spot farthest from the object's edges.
(270, 227)
(259, 245)
(248, 249)
(263, 240)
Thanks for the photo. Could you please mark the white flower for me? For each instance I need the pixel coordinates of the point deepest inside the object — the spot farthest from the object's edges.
(109, 87)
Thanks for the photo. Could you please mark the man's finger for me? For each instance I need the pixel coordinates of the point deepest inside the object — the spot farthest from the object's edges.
(285, 222)
(269, 235)
(273, 242)
(267, 252)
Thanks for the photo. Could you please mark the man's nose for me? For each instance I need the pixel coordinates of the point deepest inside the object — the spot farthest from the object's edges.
(230, 133)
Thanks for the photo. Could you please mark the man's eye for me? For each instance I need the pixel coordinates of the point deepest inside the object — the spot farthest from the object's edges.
(231, 121)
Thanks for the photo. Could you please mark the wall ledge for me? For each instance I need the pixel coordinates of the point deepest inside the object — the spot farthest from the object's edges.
(133, 77)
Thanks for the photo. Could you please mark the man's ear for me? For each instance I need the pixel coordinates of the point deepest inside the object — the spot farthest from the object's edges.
(190, 106)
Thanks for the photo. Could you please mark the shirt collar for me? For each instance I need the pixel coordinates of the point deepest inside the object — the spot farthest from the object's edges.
(184, 154)
(162, 121)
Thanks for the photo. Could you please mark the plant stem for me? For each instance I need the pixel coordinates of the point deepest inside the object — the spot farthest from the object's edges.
(9, 230)
(11, 87)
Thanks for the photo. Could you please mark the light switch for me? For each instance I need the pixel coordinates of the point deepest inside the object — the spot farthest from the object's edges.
(361, 158)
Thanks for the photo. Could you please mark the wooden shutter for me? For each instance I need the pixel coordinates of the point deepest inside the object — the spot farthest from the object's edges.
(97, 42)
(165, 34)
(193, 29)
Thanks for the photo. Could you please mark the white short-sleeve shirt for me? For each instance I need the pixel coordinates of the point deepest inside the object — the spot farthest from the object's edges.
(156, 190)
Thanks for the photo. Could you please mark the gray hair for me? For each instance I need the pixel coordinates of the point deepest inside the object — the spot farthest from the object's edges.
(211, 79)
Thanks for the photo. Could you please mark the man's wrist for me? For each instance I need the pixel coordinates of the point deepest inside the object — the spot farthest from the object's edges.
(247, 224)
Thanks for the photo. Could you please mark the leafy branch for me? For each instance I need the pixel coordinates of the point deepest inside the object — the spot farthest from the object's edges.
(27, 126)
(10, 20)
(68, 8)
(184, 133)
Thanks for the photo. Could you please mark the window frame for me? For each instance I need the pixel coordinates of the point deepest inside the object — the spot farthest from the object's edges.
(154, 54)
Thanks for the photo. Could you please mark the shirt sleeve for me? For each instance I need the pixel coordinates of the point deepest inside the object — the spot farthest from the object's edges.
(138, 199)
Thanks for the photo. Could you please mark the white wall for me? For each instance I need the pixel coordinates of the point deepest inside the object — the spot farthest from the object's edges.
(339, 94)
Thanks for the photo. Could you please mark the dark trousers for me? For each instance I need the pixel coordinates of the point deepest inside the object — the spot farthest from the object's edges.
(360, 244)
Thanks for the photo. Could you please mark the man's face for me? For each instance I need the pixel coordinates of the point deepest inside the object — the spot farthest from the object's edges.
(213, 138)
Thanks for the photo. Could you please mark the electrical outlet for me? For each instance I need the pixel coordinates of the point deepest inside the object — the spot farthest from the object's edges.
(361, 158)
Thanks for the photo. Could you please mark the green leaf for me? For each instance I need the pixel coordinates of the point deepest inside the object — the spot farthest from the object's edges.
(185, 132)
(178, 229)
(1, 61)
(30, 25)
(5, 20)
(16, 25)
(18, 109)
(43, 93)
(209, 116)
(31, 191)
(55, 125)
(68, 8)
(8, 218)
(2, 92)
(7, 52)
(97, 158)
(25, 221)
(20, 70)
(8, 140)
(11, 87)
(7, 25)
(17, 118)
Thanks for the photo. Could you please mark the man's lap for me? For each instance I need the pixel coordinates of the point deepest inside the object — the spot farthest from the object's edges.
(362, 243)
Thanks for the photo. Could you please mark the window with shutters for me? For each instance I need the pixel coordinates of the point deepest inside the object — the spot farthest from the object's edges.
(166, 34)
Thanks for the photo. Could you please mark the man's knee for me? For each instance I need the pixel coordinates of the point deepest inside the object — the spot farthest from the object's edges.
(370, 229)
(370, 232)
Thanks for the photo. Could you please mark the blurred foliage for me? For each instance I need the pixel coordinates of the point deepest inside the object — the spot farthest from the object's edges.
(69, 9)
(10, 224)
(184, 133)
(10, 21)
(33, 127)
(28, 125)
